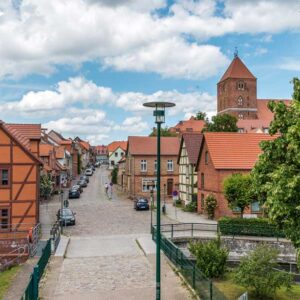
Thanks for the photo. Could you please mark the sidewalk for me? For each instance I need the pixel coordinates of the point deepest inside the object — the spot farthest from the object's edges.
(177, 214)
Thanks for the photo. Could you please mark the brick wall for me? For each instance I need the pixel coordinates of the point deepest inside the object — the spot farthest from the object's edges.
(213, 184)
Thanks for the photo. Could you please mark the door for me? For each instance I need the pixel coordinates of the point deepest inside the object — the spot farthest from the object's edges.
(170, 187)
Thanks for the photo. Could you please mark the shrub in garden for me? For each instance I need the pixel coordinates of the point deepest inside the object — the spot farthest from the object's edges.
(191, 207)
(210, 206)
(114, 175)
(257, 272)
(210, 257)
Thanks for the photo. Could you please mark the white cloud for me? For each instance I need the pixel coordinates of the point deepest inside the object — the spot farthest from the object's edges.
(133, 124)
(37, 36)
(290, 64)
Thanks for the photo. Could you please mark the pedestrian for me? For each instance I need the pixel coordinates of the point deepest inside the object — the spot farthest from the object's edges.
(110, 190)
(106, 188)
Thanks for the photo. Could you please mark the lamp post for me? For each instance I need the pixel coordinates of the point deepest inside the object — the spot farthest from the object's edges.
(159, 114)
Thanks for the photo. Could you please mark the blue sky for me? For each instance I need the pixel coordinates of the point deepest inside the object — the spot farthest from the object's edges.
(84, 67)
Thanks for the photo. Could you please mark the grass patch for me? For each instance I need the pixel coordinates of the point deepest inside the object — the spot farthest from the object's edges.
(5, 279)
(232, 291)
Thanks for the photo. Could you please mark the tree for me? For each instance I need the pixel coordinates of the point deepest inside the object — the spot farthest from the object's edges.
(201, 116)
(238, 191)
(257, 271)
(210, 206)
(276, 175)
(114, 175)
(45, 186)
(163, 132)
(221, 123)
(210, 257)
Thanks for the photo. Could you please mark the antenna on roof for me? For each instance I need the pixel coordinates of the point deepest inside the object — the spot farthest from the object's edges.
(236, 52)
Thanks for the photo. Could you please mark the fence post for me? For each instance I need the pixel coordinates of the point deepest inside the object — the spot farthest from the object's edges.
(36, 282)
(172, 231)
(210, 290)
(194, 276)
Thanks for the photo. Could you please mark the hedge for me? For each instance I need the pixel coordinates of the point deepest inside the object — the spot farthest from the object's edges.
(249, 227)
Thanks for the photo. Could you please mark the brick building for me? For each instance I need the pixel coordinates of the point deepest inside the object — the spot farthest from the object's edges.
(237, 95)
(221, 155)
(141, 165)
(191, 125)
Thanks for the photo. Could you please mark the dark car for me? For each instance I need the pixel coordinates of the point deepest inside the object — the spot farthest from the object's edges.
(82, 183)
(78, 187)
(74, 193)
(93, 168)
(141, 204)
(66, 216)
(83, 177)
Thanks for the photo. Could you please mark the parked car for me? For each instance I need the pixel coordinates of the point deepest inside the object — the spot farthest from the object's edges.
(78, 187)
(82, 183)
(97, 164)
(66, 216)
(74, 193)
(141, 204)
(83, 177)
(88, 172)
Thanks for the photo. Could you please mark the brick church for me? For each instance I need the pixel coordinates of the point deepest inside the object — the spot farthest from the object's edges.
(237, 95)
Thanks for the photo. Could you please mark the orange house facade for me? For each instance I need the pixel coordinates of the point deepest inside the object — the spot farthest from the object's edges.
(19, 182)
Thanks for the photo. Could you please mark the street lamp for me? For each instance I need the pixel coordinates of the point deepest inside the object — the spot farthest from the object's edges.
(159, 114)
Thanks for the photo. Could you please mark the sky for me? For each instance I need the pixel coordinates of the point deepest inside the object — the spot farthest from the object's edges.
(85, 67)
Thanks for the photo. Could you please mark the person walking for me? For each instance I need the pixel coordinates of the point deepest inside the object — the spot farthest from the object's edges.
(106, 188)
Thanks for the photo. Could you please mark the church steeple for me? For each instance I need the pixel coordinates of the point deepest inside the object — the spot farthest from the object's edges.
(237, 91)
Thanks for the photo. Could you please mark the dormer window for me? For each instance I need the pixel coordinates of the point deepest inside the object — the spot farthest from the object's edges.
(240, 101)
(241, 85)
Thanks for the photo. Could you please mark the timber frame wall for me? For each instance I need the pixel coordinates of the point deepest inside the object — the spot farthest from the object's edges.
(21, 195)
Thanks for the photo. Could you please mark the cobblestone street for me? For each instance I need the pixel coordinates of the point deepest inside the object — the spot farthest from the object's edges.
(103, 259)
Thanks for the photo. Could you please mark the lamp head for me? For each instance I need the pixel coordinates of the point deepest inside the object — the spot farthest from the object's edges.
(159, 112)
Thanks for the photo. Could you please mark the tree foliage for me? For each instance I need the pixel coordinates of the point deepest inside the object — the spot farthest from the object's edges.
(163, 132)
(210, 257)
(238, 192)
(210, 206)
(45, 186)
(221, 123)
(114, 175)
(257, 271)
(201, 116)
(276, 175)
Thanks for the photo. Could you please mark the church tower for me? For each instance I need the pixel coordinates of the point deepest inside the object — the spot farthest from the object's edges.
(237, 93)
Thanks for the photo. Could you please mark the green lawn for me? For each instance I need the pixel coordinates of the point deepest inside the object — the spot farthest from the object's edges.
(6, 278)
(232, 291)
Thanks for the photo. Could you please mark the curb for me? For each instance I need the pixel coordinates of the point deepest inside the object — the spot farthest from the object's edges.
(62, 246)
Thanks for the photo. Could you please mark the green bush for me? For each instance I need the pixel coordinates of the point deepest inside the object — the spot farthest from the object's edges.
(249, 227)
(210, 257)
(257, 271)
(210, 206)
(114, 175)
(191, 207)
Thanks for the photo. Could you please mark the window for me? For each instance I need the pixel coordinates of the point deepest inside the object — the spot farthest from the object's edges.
(4, 217)
(241, 86)
(206, 157)
(4, 177)
(116, 154)
(236, 209)
(155, 166)
(143, 165)
(202, 181)
(170, 165)
(148, 183)
(202, 201)
(240, 101)
(122, 154)
(240, 116)
(255, 207)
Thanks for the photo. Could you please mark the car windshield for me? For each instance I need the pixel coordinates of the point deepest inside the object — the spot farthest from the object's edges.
(143, 200)
(67, 213)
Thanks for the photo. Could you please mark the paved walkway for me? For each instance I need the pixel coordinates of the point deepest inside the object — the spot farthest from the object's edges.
(103, 259)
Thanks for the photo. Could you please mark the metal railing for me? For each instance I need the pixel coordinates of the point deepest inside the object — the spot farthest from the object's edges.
(55, 234)
(14, 257)
(32, 290)
(203, 286)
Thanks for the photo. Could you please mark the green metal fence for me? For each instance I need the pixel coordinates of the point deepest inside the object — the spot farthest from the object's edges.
(204, 287)
(32, 290)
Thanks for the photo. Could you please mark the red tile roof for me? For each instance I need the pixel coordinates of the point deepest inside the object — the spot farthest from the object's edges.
(85, 145)
(45, 149)
(25, 132)
(60, 152)
(237, 69)
(191, 125)
(146, 145)
(192, 143)
(66, 142)
(231, 150)
(116, 144)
